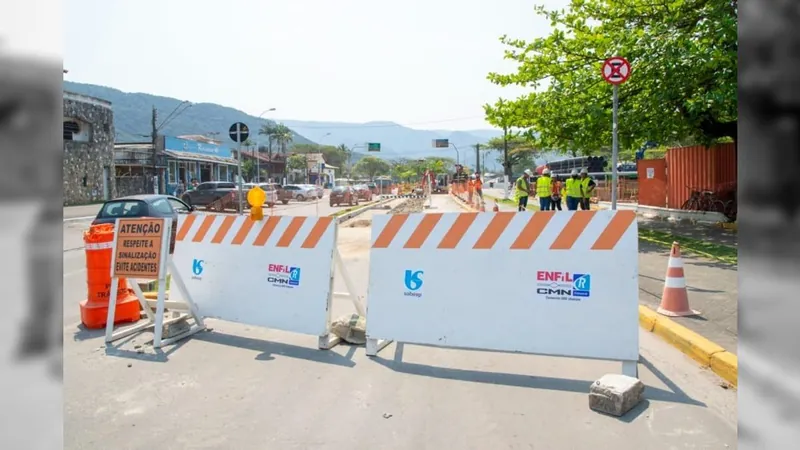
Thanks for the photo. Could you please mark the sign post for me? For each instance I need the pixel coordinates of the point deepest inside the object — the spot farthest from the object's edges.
(445, 143)
(616, 70)
(239, 133)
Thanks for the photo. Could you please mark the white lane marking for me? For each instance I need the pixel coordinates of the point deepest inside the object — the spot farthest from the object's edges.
(77, 219)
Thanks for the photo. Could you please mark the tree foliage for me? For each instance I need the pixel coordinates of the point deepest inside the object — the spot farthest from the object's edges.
(371, 166)
(522, 151)
(410, 169)
(297, 162)
(683, 85)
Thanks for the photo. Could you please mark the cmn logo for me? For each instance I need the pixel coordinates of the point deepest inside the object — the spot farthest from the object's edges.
(197, 267)
(413, 279)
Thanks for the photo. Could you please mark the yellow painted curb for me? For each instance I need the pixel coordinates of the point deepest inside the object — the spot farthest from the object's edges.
(695, 346)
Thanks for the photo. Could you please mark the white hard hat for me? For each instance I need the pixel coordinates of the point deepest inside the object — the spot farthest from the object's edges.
(584, 172)
(546, 172)
(574, 172)
(528, 172)
(473, 175)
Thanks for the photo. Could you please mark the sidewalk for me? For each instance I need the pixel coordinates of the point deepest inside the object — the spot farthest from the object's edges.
(712, 286)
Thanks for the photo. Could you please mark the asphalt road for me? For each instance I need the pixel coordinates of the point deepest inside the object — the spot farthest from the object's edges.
(252, 388)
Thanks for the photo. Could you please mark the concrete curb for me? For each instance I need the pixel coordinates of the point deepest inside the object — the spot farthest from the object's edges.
(695, 346)
(462, 203)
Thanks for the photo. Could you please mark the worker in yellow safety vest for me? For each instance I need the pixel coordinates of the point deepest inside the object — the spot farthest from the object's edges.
(544, 190)
(573, 191)
(523, 187)
(587, 189)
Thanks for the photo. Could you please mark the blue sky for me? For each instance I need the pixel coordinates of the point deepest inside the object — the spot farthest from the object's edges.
(418, 63)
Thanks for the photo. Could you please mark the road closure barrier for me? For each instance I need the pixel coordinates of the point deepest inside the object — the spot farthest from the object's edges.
(274, 273)
(559, 284)
(98, 243)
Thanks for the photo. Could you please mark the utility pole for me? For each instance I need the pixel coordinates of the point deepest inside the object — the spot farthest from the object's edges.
(154, 138)
(478, 158)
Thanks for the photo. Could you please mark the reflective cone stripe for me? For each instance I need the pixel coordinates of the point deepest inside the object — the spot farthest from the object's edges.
(675, 297)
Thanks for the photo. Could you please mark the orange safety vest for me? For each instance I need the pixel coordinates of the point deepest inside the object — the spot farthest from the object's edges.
(478, 184)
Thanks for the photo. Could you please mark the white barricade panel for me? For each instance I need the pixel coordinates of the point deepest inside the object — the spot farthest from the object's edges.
(274, 273)
(550, 283)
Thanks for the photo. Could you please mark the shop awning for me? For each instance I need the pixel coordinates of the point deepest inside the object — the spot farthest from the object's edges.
(187, 156)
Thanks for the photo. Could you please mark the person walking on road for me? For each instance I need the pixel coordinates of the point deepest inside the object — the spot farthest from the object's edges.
(523, 187)
(555, 197)
(587, 189)
(544, 190)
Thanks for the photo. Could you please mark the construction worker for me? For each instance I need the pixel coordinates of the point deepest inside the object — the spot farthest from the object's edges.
(587, 189)
(573, 191)
(478, 186)
(470, 188)
(544, 190)
(555, 197)
(523, 187)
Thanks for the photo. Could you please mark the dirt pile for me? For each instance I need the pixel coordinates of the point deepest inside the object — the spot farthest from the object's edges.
(412, 205)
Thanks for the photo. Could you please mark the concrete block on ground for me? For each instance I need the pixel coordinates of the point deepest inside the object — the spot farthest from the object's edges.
(173, 329)
(615, 394)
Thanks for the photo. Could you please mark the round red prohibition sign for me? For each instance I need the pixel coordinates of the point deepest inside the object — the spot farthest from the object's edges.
(616, 70)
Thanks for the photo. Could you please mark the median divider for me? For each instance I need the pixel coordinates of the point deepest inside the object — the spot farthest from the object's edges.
(569, 301)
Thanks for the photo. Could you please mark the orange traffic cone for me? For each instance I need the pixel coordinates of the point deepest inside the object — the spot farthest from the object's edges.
(495, 208)
(675, 298)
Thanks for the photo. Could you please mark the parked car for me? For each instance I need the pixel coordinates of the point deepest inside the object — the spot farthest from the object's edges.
(318, 190)
(343, 195)
(374, 188)
(298, 192)
(268, 188)
(363, 192)
(209, 192)
(150, 205)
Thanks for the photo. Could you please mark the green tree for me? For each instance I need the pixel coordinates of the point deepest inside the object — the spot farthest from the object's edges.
(372, 166)
(683, 85)
(521, 155)
(248, 169)
(297, 162)
(348, 158)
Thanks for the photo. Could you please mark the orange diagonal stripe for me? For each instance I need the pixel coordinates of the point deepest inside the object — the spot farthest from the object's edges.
(457, 230)
(316, 232)
(390, 231)
(572, 230)
(618, 225)
(291, 231)
(186, 225)
(266, 230)
(530, 233)
(423, 230)
(493, 231)
(205, 225)
(226, 225)
(244, 230)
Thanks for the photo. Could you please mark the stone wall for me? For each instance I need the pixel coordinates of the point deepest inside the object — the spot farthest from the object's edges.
(86, 158)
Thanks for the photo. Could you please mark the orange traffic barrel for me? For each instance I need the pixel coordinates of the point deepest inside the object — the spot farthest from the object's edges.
(98, 241)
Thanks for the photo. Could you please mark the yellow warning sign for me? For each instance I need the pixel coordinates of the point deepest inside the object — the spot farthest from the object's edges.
(138, 250)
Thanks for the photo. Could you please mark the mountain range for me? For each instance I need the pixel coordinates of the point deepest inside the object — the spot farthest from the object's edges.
(133, 111)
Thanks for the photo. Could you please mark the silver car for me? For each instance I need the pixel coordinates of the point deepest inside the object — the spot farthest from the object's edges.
(271, 197)
(300, 192)
(317, 189)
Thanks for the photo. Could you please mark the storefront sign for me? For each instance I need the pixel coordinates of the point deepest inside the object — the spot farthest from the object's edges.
(200, 148)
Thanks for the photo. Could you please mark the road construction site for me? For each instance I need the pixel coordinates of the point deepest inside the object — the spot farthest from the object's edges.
(246, 387)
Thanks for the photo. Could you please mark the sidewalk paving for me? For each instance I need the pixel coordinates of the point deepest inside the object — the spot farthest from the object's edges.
(712, 287)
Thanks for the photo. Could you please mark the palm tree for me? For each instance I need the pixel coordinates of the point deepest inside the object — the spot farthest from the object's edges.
(283, 136)
(268, 130)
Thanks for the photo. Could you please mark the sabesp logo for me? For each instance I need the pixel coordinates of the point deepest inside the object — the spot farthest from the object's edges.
(413, 282)
(281, 275)
(197, 268)
(555, 285)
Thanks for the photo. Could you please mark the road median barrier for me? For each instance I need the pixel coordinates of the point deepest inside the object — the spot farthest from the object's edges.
(578, 305)
(695, 346)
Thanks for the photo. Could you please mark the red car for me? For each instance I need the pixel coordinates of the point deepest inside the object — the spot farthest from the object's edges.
(341, 195)
(363, 192)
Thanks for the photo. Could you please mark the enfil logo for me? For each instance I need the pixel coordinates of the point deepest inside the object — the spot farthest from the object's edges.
(197, 268)
(413, 282)
(283, 276)
(563, 285)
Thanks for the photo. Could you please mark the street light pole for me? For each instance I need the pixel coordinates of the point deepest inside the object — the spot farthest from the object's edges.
(458, 156)
(258, 150)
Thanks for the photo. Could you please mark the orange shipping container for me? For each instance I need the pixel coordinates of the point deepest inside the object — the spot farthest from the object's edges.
(699, 168)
